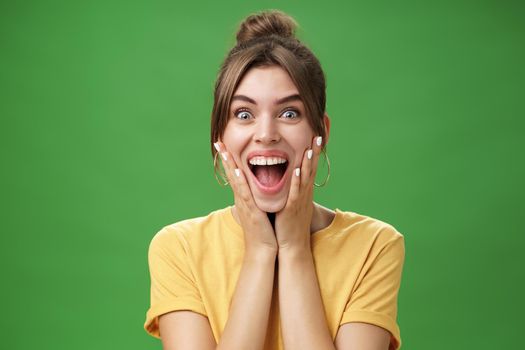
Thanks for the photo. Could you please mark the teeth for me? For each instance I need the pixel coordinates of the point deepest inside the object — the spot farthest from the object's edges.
(266, 160)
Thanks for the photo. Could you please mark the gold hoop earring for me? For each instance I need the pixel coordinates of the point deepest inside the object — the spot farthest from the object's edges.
(222, 175)
(327, 175)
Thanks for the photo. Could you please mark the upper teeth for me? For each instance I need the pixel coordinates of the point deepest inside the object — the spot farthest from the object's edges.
(267, 160)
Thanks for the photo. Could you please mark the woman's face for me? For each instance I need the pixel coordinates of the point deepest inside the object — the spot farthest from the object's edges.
(267, 134)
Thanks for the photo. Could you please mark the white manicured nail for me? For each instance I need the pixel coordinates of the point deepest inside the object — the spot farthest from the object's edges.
(309, 154)
(297, 172)
(224, 156)
(217, 147)
(319, 140)
(237, 172)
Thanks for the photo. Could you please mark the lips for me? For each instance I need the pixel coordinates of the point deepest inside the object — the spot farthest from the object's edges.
(268, 169)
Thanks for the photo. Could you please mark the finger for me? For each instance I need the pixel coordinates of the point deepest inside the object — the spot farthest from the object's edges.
(306, 167)
(317, 146)
(228, 163)
(236, 177)
(295, 187)
(243, 190)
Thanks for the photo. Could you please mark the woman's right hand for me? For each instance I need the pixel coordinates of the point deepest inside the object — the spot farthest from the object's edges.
(259, 235)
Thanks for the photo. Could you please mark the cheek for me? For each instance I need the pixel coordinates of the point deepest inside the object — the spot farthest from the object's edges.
(301, 140)
(234, 140)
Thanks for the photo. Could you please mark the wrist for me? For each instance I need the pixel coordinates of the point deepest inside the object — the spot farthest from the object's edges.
(295, 253)
(260, 254)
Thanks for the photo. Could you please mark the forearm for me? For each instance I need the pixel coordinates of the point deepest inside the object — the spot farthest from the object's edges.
(248, 318)
(303, 320)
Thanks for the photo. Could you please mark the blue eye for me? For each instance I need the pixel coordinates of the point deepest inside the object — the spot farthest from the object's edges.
(243, 115)
(290, 114)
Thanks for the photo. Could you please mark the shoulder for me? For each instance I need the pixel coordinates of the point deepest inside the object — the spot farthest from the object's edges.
(367, 230)
(187, 230)
(368, 223)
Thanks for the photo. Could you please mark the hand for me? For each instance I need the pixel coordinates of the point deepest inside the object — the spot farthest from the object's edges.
(259, 235)
(292, 223)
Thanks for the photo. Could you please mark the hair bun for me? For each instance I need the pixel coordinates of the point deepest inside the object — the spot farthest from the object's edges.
(272, 22)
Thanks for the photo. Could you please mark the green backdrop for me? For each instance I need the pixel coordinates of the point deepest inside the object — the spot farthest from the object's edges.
(104, 132)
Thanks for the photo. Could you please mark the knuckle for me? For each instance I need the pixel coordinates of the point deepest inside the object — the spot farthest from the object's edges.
(245, 196)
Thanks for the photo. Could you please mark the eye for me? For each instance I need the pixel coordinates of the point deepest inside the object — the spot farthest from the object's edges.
(290, 114)
(243, 114)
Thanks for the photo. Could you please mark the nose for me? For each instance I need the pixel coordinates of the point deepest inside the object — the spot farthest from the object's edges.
(267, 131)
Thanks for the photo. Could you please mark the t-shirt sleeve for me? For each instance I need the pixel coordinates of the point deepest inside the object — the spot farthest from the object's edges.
(173, 285)
(375, 299)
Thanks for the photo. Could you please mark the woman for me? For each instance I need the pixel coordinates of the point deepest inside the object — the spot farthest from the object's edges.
(275, 270)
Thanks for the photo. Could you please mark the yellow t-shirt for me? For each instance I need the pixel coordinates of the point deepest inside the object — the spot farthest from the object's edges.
(194, 265)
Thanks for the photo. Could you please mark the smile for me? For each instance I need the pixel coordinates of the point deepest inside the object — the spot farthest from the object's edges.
(268, 170)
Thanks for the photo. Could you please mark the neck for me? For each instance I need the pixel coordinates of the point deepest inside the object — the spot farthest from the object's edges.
(271, 217)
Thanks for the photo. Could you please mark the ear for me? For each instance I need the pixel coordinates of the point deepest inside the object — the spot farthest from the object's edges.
(327, 122)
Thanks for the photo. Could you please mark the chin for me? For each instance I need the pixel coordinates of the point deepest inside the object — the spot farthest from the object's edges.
(270, 206)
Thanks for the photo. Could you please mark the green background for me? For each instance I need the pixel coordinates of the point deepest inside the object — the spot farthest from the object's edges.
(104, 139)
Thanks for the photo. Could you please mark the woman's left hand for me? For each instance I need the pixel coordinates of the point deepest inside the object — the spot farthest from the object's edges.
(292, 223)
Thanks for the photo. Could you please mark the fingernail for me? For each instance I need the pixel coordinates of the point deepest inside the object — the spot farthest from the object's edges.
(309, 154)
(237, 172)
(319, 140)
(297, 172)
(217, 147)
(224, 156)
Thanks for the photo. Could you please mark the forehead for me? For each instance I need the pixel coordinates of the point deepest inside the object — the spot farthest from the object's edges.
(266, 84)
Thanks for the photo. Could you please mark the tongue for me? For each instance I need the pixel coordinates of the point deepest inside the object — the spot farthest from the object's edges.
(268, 175)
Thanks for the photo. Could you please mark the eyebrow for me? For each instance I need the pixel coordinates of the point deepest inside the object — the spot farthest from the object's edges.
(295, 97)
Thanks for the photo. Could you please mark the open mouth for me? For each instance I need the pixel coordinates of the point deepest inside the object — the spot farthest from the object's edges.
(268, 171)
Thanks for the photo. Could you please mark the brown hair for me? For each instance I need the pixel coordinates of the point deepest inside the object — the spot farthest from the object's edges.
(264, 39)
